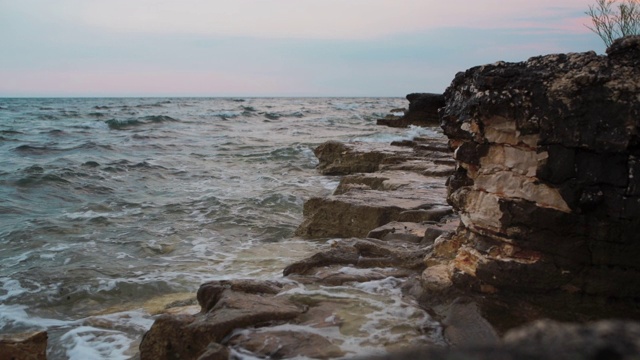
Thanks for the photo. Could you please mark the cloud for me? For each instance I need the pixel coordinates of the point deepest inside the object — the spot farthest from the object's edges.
(309, 19)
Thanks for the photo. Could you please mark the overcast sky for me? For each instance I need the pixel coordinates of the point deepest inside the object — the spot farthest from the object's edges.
(272, 47)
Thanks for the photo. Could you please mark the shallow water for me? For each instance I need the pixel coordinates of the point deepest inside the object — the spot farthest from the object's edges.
(108, 204)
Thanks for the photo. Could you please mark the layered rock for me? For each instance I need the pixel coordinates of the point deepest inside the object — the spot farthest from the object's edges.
(423, 111)
(547, 182)
(26, 346)
(402, 182)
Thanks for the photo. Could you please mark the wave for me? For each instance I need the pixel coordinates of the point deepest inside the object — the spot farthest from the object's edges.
(34, 150)
(10, 132)
(116, 124)
(40, 179)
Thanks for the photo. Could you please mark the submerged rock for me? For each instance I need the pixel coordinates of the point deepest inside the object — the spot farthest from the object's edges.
(546, 184)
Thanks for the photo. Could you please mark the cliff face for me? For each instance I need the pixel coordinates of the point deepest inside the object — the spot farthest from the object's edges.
(548, 172)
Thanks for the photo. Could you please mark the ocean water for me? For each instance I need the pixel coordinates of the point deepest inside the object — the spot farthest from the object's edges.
(111, 206)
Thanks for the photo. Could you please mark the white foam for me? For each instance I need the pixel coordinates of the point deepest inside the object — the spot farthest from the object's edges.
(16, 316)
(89, 343)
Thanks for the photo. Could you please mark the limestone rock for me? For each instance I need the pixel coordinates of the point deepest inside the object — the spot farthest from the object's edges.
(546, 183)
(287, 344)
(225, 306)
(27, 346)
(423, 111)
(336, 158)
(365, 253)
(359, 211)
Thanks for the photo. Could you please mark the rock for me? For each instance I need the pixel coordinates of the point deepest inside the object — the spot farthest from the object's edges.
(466, 327)
(287, 344)
(336, 158)
(546, 183)
(363, 253)
(607, 339)
(27, 346)
(357, 212)
(225, 306)
(405, 231)
(545, 340)
(426, 155)
(423, 111)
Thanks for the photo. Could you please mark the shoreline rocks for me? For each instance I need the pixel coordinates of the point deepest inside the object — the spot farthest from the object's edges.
(546, 177)
(423, 111)
(540, 166)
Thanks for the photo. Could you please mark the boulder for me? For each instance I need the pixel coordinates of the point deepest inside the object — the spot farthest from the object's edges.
(546, 184)
(423, 111)
(225, 306)
(27, 346)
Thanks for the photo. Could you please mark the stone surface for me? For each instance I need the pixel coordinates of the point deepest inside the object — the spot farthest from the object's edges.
(545, 340)
(225, 306)
(24, 346)
(546, 183)
(364, 253)
(359, 211)
(287, 344)
(423, 111)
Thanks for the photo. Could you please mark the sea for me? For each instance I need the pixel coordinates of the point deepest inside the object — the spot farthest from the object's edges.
(110, 208)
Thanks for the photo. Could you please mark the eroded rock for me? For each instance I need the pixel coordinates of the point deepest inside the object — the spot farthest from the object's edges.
(546, 179)
(423, 111)
(27, 346)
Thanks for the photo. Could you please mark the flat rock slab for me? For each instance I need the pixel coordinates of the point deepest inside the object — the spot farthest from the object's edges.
(284, 344)
(336, 158)
(363, 253)
(358, 211)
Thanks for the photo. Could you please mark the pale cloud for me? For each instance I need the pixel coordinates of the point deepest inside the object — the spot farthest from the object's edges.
(317, 19)
(271, 47)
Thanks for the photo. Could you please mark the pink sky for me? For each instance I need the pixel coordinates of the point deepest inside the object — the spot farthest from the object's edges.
(271, 47)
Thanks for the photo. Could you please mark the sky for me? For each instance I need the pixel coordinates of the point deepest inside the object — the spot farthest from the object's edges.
(93, 48)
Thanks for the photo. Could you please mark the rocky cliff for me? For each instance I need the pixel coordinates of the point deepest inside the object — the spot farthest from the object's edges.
(547, 182)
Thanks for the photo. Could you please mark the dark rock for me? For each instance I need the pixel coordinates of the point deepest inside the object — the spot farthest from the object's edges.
(226, 306)
(545, 340)
(423, 111)
(287, 344)
(546, 184)
(27, 346)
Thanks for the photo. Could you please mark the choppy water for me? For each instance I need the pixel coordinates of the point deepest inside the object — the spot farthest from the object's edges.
(108, 204)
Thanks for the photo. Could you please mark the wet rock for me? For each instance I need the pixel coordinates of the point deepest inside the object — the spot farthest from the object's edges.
(287, 344)
(358, 211)
(546, 178)
(423, 111)
(336, 158)
(27, 346)
(545, 340)
(427, 156)
(225, 306)
(363, 253)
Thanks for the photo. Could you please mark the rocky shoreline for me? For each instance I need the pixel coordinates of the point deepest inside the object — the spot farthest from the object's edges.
(515, 229)
(526, 210)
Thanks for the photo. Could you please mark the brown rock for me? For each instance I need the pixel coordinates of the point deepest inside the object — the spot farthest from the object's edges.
(226, 306)
(287, 344)
(363, 253)
(546, 183)
(25, 346)
(358, 211)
